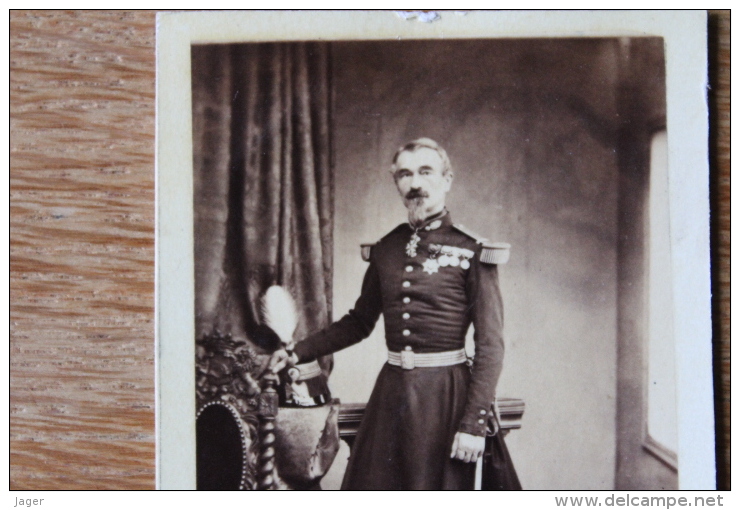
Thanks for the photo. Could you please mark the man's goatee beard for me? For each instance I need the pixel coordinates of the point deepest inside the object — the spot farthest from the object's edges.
(417, 215)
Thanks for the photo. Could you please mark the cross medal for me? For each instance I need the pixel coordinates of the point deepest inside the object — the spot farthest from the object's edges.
(412, 245)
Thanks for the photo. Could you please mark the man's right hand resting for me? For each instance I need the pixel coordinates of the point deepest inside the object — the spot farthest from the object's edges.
(281, 359)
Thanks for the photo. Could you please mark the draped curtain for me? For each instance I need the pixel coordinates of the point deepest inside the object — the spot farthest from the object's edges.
(263, 190)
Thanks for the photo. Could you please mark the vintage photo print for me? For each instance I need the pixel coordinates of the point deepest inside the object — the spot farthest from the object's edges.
(454, 235)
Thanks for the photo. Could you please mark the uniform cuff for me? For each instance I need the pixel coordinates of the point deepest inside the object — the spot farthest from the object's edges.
(476, 424)
(474, 429)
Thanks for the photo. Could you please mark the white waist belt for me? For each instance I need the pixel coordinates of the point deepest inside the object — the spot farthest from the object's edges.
(410, 359)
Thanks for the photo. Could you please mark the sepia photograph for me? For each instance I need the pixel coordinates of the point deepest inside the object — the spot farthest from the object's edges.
(424, 262)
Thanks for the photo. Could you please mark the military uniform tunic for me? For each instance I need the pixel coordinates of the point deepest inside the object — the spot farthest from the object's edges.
(430, 284)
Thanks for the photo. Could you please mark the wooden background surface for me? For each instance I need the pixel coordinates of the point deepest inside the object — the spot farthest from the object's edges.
(82, 247)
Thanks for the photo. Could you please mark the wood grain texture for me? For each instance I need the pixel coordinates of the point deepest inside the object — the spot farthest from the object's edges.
(82, 250)
(82, 247)
(719, 163)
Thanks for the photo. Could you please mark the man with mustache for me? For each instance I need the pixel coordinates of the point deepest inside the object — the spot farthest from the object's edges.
(425, 424)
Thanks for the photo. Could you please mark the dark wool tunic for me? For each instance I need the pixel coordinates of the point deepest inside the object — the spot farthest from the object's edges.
(406, 435)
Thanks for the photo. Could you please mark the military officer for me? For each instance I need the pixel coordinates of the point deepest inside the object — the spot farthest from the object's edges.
(425, 423)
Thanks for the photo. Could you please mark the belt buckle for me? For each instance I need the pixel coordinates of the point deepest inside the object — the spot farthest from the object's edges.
(407, 360)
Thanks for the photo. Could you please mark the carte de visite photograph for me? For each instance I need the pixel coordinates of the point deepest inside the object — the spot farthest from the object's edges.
(424, 262)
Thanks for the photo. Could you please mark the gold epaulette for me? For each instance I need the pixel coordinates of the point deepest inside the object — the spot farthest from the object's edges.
(366, 250)
(495, 253)
(492, 253)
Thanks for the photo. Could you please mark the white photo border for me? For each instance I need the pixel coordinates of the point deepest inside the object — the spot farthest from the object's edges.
(685, 37)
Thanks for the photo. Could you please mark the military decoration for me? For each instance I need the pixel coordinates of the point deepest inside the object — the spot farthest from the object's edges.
(412, 245)
(433, 225)
(431, 266)
(447, 256)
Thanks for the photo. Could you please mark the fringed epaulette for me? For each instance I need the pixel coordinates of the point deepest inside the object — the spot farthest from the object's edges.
(495, 253)
(367, 250)
(491, 253)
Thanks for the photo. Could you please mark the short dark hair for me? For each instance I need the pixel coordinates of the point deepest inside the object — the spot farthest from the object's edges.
(426, 143)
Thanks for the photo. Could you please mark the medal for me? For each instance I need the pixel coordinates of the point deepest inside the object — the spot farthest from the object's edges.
(447, 256)
(466, 256)
(431, 266)
(434, 225)
(412, 245)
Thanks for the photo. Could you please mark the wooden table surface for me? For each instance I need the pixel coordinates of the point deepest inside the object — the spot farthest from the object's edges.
(82, 247)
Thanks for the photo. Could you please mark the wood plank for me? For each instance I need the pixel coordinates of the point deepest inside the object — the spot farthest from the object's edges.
(82, 250)
(719, 182)
(82, 247)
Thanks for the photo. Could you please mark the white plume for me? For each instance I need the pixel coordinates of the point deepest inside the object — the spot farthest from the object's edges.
(278, 312)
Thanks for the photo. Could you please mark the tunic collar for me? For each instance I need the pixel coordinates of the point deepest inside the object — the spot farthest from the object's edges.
(441, 219)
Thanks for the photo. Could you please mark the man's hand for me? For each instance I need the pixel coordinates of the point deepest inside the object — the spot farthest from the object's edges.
(467, 447)
(281, 359)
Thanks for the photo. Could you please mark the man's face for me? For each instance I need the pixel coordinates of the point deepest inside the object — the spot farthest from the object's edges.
(421, 183)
